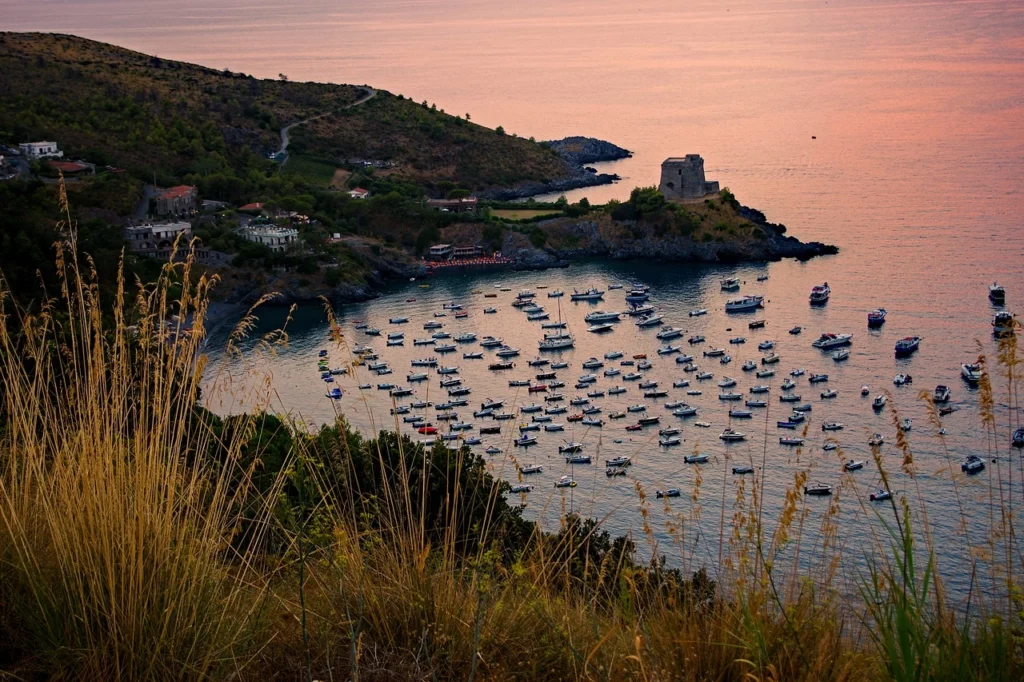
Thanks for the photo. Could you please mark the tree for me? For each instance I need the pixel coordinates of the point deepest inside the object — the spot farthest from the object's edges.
(467, 116)
(282, 77)
(500, 130)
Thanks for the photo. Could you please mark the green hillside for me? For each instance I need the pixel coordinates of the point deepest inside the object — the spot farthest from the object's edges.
(147, 114)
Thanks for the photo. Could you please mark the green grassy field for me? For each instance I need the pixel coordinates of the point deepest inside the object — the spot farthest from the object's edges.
(523, 214)
(315, 171)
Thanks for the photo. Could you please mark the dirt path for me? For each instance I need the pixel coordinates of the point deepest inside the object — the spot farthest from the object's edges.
(286, 139)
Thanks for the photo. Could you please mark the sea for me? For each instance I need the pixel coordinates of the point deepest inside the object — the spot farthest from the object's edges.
(890, 128)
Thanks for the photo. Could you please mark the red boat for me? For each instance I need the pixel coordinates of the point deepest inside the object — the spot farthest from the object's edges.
(575, 418)
(634, 427)
(539, 388)
(459, 316)
(640, 356)
(428, 430)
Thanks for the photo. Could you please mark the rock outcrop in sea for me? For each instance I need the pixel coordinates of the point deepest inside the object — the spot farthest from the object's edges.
(576, 151)
(583, 150)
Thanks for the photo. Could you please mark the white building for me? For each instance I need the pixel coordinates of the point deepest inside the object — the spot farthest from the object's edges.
(157, 239)
(274, 238)
(40, 150)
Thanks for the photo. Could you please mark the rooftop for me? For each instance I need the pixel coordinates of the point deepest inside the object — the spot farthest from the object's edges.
(175, 192)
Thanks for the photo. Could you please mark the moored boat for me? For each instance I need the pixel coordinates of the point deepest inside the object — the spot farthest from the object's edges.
(820, 294)
(745, 304)
(907, 345)
(996, 294)
(876, 318)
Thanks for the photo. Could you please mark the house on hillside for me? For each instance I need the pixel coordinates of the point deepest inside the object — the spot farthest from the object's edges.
(464, 205)
(176, 201)
(40, 150)
(359, 193)
(157, 239)
(255, 207)
(273, 237)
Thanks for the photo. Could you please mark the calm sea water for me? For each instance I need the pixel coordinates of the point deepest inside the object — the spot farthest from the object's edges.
(917, 108)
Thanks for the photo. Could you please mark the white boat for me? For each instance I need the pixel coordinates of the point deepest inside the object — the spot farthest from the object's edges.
(565, 482)
(971, 372)
(876, 440)
(740, 414)
(756, 403)
(525, 294)
(745, 304)
(557, 293)
(854, 465)
(820, 293)
(731, 435)
(432, 324)
(559, 365)
(591, 294)
(831, 393)
(749, 366)
(681, 383)
(554, 427)
(669, 442)
(817, 489)
(941, 395)
(636, 408)
(727, 382)
(865, 389)
(621, 461)
(788, 385)
(786, 440)
(600, 328)
(445, 348)
(743, 469)
(685, 411)
(770, 359)
(818, 378)
(671, 492)
(520, 488)
(556, 342)
(730, 284)
(592, 363)
(440, 335)
(612, 372)
(714, 352)
(972, 465)
(507, 352)
(696, 458)
(703, 376)
(578, 459)
(424, 342)
(642, 310)
(416, 376)
(698, 312)
(841, 355)
(695, 339)
(828, 340)
(879, 401)
(490, 311)
(616, 390)
(465, 337)
(668, 350)
(492, 342)
(760, 388)
(736, 340)
(765, 373)
(650, 321)
(601, 316)
(667, 333)
(906, 424)
(880, 494)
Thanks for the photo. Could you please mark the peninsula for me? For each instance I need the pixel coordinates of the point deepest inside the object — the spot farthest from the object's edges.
(308, 189)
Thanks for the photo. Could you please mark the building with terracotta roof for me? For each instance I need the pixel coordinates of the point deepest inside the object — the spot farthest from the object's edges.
(74, 167)
(176, 201)
(359, 193)
(255, 207)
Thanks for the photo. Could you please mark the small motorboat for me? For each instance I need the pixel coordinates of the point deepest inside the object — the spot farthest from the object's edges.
(762, 278)
(600, 328)
(529, 468)
(1003, 324)
(644, 365)
(492, 450)
(876, 318)
(490, 311)
(559, 365)
(787, 440)
(997, 294)
(766, 345)
(796, 330)
(770, 359)
(841, 355)
(906, 424)
(818, 378)
(671, 492)
(832, 426)
(854, 465)
(820, 293)
(613, 355)
(685, 411)
(704, 376)
(790, 398)
(760, 388)
(971, 372)
(695, 339)
(714, 352)
(730, 284)
(749, 366)
(941, 394)
(669, 441)
(698, 312)
(696, 458)
(788, 385)
(756, 324)
(907, 345)
(614, 471)
(592, 363)
(744, 469)
(703, 425)
(879, 401)
(727, 382)
(726, 359)
(740, 414)
(736, 340)
(649, 321)
(756, 403)
(565, 482)
(670, 431)
(578, 459)
(876, 440)
(617, 415)
(681, 383)
(557, 293)
(901, 379)
(828, 340)
(865, 389)
(829, 447)
(521, 488)
(972, 465)
(731, 436)
(648, 421)
(525, 440)
(879, 495)
(334, 394)
(1018, 438)
(730, 395)
(817, 489)
(668, 350)
(588, 421)
(616, 390)
(831, 393)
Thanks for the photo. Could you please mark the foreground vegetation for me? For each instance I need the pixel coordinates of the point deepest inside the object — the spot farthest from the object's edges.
(143, 537)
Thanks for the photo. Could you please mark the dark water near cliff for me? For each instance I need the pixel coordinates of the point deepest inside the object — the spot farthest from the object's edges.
(954, 331)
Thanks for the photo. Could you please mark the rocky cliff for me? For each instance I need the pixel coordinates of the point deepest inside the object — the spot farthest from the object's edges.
(582, 150)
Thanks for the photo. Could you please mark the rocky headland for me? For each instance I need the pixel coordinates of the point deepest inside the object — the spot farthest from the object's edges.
(576, 152)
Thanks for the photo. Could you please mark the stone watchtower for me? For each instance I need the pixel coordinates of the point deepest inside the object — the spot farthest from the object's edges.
(683, 179)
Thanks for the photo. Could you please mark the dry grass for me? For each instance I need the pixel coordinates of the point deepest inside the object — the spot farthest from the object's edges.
(127, 552)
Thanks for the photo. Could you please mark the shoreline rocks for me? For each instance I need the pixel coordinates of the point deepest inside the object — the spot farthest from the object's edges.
(579, 150)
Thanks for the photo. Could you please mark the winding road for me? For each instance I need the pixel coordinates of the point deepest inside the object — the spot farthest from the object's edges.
(282, 154)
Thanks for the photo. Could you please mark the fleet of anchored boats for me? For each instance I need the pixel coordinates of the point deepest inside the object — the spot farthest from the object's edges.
(532, 420)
